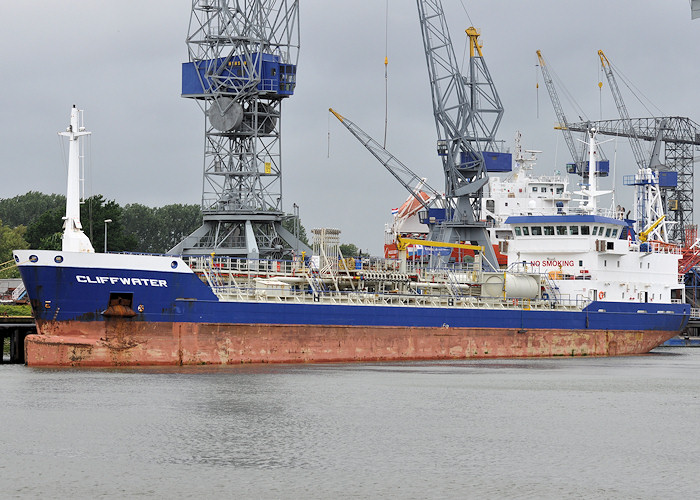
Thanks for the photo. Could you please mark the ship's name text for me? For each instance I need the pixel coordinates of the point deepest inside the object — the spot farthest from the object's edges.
(113, 280)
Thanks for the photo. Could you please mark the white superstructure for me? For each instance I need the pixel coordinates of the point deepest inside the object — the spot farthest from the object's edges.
(522, 193)
(585, 258)
(588, 255)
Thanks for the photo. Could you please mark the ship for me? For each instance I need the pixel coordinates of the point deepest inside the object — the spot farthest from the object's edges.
(578, 283)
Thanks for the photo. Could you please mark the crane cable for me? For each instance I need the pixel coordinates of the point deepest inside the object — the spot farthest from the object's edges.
(632, 87)
(467, 13)
(568, 96)
(537, 89)
(386, 71)
(600, 92)
(466, 41)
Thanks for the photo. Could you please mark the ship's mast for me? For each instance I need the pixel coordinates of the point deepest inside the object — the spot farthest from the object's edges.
(74, 240)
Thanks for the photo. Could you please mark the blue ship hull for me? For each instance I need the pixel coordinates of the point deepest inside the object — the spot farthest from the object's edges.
(74, 304)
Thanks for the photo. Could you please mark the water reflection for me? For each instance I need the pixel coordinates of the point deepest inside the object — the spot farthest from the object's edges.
(584, 427)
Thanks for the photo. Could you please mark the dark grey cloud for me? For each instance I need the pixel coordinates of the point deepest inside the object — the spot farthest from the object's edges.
(120, 62)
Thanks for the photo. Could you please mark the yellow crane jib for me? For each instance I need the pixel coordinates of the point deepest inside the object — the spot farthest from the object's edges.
(473, 34)
(644, 235)
(603, 59)
(337, 115)
(541, 59)
(402, 243)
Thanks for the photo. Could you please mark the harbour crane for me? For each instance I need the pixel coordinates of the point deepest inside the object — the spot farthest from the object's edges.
(467, 111)
(662, 188)
(242, 66)
(649, 205)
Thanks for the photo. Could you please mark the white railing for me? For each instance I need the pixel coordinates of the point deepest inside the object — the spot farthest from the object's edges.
(389, 299)
(233, 279)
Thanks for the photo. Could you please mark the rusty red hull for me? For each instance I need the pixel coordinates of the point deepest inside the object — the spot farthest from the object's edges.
(129, 344)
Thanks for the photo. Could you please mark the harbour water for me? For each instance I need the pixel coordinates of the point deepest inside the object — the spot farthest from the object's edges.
(623, 427)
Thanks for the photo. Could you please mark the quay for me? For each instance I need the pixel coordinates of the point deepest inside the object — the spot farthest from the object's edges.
(15, 328)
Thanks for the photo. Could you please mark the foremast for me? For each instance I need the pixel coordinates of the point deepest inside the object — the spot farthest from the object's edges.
(74, 239)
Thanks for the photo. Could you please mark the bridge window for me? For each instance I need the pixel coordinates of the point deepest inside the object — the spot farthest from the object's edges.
(595, 230)
(614, 233)
(586, 230)
(573, 230)
(526, 231)
(561, 230)
(549, 230)
(607, 232)
(534, 189)
(536, 231)
(517, 230)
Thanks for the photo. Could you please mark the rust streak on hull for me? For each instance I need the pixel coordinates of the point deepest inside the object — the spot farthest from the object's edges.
(118, 343)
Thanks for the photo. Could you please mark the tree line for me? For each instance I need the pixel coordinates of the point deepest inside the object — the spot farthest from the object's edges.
(35, 220)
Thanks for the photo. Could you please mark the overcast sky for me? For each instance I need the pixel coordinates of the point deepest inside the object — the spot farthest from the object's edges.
(120, 62)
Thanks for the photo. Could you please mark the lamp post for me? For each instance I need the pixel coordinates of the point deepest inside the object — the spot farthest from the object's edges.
(107, 221)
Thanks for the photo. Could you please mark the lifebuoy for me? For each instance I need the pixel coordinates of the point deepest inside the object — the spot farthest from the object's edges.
(601, 295)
